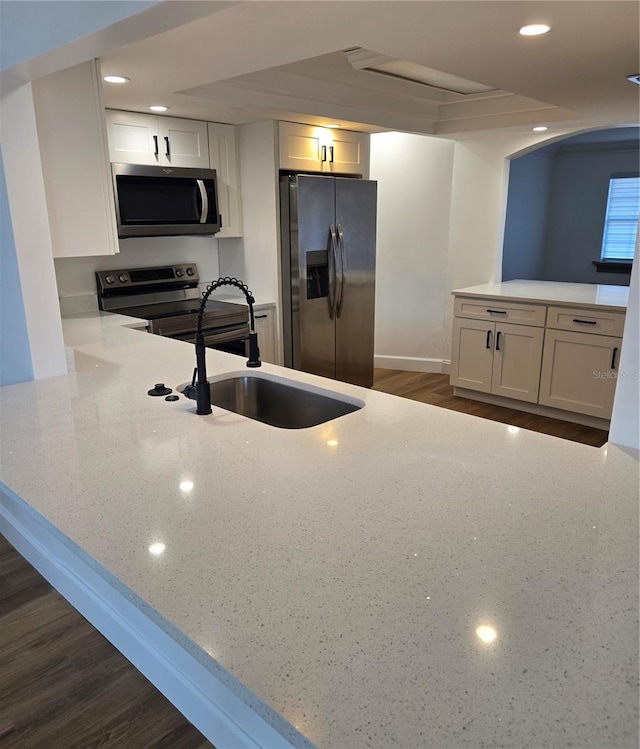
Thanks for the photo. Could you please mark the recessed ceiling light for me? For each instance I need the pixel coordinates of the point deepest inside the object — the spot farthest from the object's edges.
(540, 128)
(158, 108)
(535, 29)
(634, 78)
(116, 79)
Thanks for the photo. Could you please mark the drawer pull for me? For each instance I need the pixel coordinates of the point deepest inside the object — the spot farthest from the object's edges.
(585, 322)
(613, 357)
(497, 311)
(261, 317)
(488, 339)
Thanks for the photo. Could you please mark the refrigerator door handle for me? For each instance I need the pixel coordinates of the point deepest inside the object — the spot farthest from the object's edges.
(333, 273)
(343, 268)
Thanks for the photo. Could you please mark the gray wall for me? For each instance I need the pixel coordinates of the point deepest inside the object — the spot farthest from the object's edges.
(526, 222)
(577, 207)
(556, 207)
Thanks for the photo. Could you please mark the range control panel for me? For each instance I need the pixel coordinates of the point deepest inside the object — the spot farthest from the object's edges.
(165, 276)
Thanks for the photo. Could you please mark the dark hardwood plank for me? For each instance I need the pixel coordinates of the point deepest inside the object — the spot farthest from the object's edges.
(434, 389)
(63, 685)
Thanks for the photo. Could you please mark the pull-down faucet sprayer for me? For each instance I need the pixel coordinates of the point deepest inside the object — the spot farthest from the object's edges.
(203, 394)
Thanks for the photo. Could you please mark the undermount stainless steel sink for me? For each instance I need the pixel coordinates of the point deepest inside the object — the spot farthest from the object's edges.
(278, 403)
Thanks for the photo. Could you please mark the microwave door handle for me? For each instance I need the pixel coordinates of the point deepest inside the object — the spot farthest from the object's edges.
(205, 201)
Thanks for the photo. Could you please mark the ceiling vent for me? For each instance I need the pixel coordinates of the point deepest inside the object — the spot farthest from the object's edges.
(365, 59)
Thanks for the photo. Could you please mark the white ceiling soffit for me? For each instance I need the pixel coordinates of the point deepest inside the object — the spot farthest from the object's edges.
(330, 87)
(286, 60)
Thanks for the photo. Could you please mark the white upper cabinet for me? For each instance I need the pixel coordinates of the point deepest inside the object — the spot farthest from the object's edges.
(307, 148)
(136, 138)
(75, 167)
(223, 157)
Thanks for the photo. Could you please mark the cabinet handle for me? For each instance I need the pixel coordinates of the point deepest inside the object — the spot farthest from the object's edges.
(155, 140)
(331, 154)
(613, 357)
(261, 317)
(585, 322)
(497, 311)
(488, 339)
(498, 341)
(167, 149)
(323, 151)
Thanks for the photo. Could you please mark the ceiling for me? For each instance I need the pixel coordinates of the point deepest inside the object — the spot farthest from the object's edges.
(249, 61)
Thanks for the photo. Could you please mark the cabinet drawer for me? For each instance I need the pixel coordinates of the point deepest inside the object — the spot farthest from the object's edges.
(598, 321)
(496, 311)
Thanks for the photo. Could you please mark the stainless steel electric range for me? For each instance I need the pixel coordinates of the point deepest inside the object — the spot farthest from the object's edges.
(167, 297)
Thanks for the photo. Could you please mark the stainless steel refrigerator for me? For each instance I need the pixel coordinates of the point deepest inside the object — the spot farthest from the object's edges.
(328, 236)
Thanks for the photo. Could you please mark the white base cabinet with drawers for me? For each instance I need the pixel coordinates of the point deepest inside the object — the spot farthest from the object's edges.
(556, 360)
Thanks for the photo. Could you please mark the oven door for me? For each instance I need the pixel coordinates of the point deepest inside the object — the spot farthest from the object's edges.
(233, 339)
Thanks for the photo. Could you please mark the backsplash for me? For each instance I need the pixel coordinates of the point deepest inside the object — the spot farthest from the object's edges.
(76, 280)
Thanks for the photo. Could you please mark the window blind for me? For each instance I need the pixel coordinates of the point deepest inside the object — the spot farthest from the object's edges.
(621, 221)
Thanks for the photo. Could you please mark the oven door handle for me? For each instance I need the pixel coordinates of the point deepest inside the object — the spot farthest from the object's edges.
(205, 201)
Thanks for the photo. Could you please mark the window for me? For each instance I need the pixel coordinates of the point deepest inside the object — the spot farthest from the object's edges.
(621, 219)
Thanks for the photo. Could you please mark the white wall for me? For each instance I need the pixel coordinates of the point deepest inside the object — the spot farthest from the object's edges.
(441, 217)
(414, 176)
(625, 420)
(75, 276)
(31, 238)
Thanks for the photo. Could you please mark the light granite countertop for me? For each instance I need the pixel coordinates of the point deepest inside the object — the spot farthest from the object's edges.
(552, 292)
(343, 573)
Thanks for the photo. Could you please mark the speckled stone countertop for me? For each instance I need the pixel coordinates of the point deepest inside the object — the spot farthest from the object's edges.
(403, 576)
(553, 292)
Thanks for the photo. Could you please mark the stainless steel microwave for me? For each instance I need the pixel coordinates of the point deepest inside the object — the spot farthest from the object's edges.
(153, 201)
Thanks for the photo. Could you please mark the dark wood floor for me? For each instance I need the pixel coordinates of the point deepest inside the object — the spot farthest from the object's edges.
(63, 686)
(435, 389)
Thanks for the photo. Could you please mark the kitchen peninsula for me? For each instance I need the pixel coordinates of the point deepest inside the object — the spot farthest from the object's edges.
(401, 576)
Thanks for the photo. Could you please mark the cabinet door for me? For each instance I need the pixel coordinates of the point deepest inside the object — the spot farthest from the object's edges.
(223, 157)
(265, 328)
(516, 362)
(306, 148)
(347, 153)
(578, 372)
(75, 167)
(472, 354)
(183, 142)
(132, 137)
(301, 146)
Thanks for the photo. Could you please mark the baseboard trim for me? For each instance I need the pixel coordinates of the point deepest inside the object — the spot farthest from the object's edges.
(408, 363)
(534, 408)
(217, 712)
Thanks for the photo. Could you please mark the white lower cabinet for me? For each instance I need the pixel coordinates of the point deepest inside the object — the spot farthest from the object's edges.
(562, 359)
(265, 328)
(579, 372)
(499, 358)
